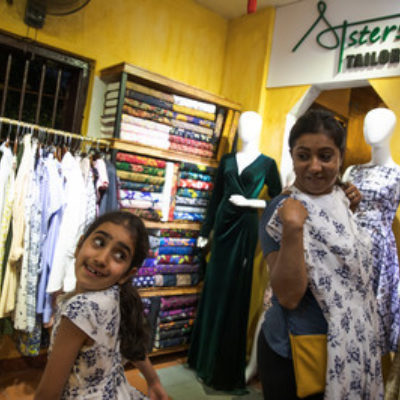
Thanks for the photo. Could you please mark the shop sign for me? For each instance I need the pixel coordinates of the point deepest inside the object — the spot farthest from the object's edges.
(335, 41)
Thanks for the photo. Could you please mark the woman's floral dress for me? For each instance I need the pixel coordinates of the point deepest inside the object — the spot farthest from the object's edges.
(339, 268)
(98, 372)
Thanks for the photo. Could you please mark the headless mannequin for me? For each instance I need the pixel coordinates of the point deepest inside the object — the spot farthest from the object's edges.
(379, 125)
(249, 129)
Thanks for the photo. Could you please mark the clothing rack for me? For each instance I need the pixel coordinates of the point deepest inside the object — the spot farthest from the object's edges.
(52, 131)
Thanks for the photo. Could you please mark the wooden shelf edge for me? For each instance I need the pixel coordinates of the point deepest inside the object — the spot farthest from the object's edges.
(169, 350)
(113, 72)
(169, 291)
(125, 145)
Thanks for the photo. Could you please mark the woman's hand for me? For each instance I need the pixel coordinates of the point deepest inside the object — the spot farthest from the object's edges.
(352, 194)
(292, 213)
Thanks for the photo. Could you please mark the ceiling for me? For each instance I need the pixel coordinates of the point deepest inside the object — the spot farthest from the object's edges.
(236, 8)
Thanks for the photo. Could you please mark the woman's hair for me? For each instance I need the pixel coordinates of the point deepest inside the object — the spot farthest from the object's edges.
(319, 121)
(134, 331)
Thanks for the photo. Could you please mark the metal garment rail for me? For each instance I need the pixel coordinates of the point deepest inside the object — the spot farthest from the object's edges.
(33, 127)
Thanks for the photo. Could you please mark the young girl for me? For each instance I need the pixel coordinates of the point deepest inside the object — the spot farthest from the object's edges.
(102, 319)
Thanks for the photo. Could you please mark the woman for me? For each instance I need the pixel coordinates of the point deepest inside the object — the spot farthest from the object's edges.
(320, 272)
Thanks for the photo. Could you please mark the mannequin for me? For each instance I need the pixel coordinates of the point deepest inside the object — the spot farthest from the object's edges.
(379, 183)
(218, 346)
(249, 129)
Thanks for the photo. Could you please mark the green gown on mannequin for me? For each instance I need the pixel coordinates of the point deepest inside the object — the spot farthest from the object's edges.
(218, 344)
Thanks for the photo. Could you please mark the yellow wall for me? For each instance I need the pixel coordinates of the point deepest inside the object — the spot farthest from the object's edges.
(176, 38)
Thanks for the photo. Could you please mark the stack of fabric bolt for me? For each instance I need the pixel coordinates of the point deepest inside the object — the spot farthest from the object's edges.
(175, 320)
(171, 261)
(142, 181)
(195, 184)
(158, 119)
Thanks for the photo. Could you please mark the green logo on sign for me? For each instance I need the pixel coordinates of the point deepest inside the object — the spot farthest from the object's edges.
(344, 37)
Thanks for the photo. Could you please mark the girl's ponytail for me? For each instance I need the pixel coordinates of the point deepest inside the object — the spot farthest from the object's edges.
(134, 330)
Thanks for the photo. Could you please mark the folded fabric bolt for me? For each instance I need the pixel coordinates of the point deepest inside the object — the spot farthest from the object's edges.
(149, 262)
(193, 193)
(175, 250)
(164, 269)
(144, 169)
(195, 104)
(195, 176)
(139, 177)
(165, 343)
(185, 166)
(141, 204)
(194, 184)
(136, 195)
(151, 125)
(191, 209)
(176, 279)
(145, 187)
(137, 112)
(154, 162)
(193, 135)
(143, 281)
(187, 233)
(180, 216)
(149, 214)
(177, 242)
(188, 201)
(171, 302)
(176, 259)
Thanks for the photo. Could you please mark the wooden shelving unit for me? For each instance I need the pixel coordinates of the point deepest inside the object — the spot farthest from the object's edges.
(227, 113)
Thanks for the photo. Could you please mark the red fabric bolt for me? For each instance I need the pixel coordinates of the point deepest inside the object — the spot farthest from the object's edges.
(251, 6)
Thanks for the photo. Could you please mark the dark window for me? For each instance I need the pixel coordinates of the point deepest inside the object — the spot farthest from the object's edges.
(41, 85)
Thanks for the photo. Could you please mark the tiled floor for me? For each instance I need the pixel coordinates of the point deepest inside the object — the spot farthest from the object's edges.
(179, 382)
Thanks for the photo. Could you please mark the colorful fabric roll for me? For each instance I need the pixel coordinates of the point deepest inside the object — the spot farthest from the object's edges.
(193, 193)
(178, 233)
(137, 112)
(149, 262)
(149, 138)
(194, 184)
(139, 177)
(175, 259)
(194, 112)
(193, 135)
(166, 343)
(173, 302)
(136, 195)
(180, 216)
(149, 107)
(148, 99)
(143, 281)
(195, 176)
(176, 268)
(178, 313)
(173, 333)
(176, 324)
(144, 169)
(145, 187)
(190, 142)
(178, 250)
(187, 201)
(149, 91)
(191, 150)
(134, 159)
(195, 104)
(151, 215)
(194, 120)
(168, 241)
(205, 169)
(138, 204)
(192, 127)
(146, 271)
(191, 209)
(145, 123)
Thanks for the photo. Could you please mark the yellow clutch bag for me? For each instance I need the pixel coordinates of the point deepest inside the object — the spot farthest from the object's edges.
(309, 354)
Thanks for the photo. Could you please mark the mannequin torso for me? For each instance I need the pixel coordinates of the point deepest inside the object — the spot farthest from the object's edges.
(379, 125)
(249, 129)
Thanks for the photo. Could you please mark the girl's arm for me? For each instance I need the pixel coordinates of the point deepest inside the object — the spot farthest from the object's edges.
(287, 266)
(155, 389)
(68, 341)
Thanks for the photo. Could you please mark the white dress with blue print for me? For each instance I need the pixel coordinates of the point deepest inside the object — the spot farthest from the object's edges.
(339, 267)
(380, 189)
(98, 372)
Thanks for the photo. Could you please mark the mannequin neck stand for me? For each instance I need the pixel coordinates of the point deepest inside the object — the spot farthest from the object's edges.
(381, 156)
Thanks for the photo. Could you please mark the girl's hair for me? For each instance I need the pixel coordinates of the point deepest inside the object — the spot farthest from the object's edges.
(134, 331)
(319, 121)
